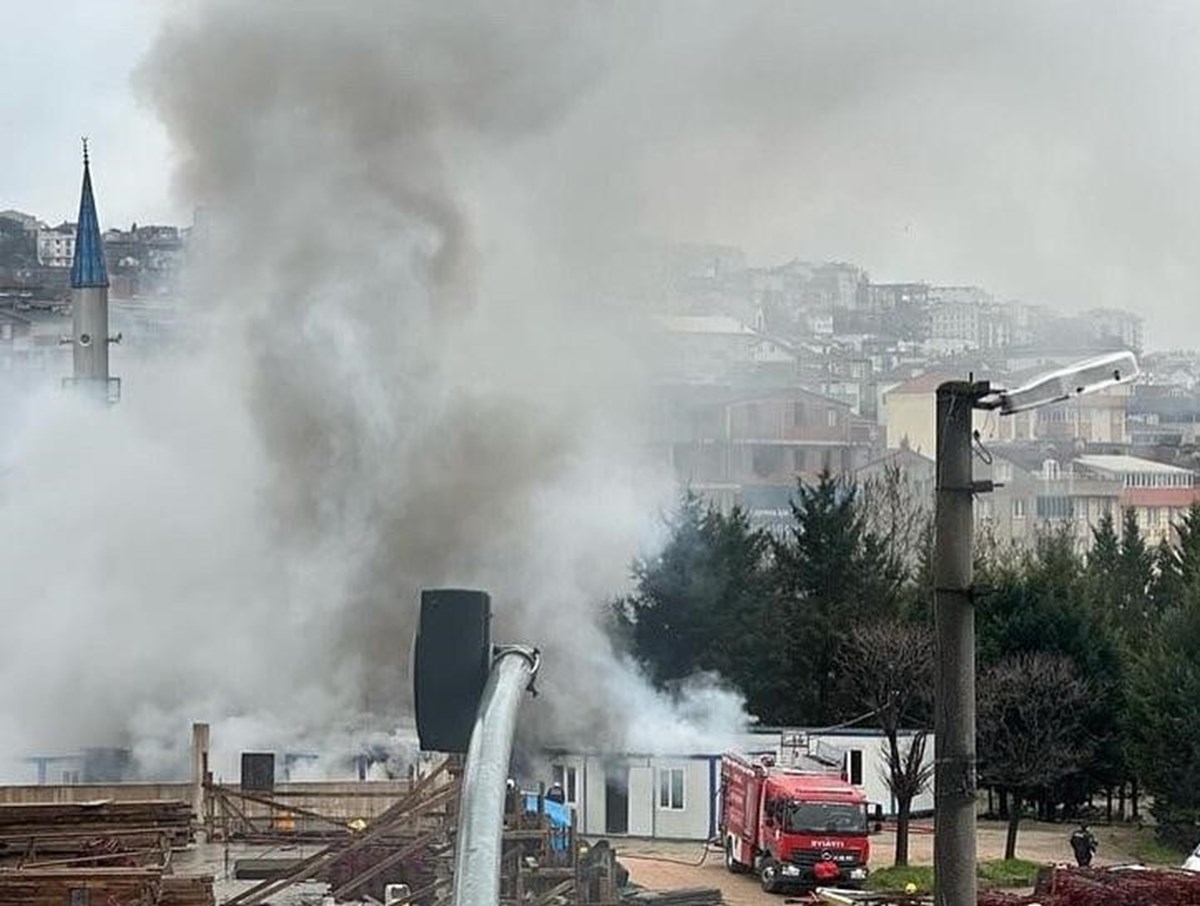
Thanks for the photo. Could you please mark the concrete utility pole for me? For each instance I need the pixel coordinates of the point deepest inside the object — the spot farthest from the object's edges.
(954, 617)
(954, 849)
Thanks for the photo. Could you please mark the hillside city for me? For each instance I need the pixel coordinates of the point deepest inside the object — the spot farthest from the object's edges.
(770, 374)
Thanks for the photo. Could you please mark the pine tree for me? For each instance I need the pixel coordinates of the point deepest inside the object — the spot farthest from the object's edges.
(833, 574)
(1135, 573)
(1103, 568)
(1042, 604)
(695, 605)
(1166, 745)
(1179, 564)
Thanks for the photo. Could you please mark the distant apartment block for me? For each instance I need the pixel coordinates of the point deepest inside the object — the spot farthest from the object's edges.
(750, 446)
(1037, 489)
(715, 349)
(909, 415)
(56, 247)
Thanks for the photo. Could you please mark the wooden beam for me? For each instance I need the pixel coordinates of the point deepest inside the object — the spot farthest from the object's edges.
(325, 857)
(556, 891)
(384, 864)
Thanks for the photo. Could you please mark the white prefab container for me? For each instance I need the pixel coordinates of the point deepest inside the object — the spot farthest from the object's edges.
(676, 796)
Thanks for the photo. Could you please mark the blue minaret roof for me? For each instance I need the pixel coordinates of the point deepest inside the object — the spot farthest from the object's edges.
(88, 268)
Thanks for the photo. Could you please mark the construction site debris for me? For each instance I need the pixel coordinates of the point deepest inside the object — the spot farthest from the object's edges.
(187, 890)
(127, 886)
(61, 826)
(1114, 886)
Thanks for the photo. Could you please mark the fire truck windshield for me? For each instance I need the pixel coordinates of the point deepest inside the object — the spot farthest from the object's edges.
(825, 818)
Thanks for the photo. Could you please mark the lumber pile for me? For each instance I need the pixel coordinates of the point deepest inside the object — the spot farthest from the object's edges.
(187, 890)
(1108, 887)
(126, 886)
(54, 887)
(21, 822)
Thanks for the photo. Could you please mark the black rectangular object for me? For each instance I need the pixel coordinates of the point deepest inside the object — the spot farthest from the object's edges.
(451, 664)
(258, 771)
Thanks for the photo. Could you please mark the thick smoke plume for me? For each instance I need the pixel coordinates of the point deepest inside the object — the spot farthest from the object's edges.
(405, 382)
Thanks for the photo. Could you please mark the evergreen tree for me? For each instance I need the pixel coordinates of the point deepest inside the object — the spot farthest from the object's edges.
(1039, 604)
(1103, 563)
(696, 605)
(1166, 721)
(833, 574)
(1178, 565)
(1135, 573)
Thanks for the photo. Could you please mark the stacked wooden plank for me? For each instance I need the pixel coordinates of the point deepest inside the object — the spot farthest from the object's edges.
(59, 826)
(187, 890)
(127, 886)
(54, 887)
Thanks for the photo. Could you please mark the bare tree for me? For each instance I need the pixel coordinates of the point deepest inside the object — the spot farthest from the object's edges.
(1030, 729)
(888, 668)
(899, 511)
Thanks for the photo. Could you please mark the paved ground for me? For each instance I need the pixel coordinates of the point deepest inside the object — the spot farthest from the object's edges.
(656, 864)
(663, 865)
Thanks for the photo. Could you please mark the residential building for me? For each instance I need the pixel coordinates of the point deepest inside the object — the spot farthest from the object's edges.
(1041, 486)
(1159, 494)
(953, 326)
(28, 222)
(909, 411)
(1113, 328)
(56, 247)
(1036, 489)
(712, 349)
(750, 446)
(1164, 415)
(1095, 418)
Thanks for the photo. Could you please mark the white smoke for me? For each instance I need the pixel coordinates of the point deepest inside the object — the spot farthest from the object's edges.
(405, 385)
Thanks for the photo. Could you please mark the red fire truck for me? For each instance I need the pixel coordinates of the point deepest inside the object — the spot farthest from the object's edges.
(794, 828)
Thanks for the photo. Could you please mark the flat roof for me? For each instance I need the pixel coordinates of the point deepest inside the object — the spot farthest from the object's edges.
(1112, 463)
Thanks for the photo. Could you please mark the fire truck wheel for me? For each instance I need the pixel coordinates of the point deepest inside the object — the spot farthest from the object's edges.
(732, 865)
(769, 875)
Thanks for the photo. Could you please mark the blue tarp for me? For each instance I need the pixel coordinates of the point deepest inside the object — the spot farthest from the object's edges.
(559, 815)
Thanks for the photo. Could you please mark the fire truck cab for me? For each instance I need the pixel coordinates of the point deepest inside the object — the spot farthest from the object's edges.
(795, 829)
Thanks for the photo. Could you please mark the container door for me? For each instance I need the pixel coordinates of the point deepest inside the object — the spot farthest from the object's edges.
(616, 799)
(641, 801)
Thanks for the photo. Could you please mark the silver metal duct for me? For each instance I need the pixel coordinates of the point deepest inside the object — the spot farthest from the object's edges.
(481, 817)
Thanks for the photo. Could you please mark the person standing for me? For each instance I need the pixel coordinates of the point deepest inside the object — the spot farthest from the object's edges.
(1083, 843)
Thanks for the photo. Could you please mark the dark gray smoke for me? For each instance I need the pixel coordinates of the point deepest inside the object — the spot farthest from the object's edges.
(415, 212)
(423, 393)
(407, 384)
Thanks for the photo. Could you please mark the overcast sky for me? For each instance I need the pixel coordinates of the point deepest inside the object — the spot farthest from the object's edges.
(1047, 151)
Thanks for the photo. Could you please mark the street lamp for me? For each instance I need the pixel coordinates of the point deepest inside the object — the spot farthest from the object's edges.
(954, 848)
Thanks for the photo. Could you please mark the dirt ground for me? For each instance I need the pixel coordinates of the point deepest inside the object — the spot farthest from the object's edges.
(691, 865)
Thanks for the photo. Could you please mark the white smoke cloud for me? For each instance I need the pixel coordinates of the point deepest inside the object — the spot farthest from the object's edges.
(405, 384)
